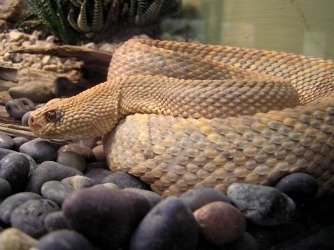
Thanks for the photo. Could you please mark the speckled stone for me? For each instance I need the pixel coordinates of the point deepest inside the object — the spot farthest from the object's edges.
(298, 186)
(29, 217)
(14, 201)
(6, 141)
(106, 185)
(16, 108)
(15, 168)
(15, 239)
(78, 181)
(169, 225)
(25, 118)
(198, 197)
(125, 180)
(40, 150)
(112, 215)
(49, 171)
(5, 189)
(262, 205)
(55, 221)
(72, 159)
(56, 191)
(220, 222)
(64, 240)
(5, 152)
(18, 141)
(153, 198)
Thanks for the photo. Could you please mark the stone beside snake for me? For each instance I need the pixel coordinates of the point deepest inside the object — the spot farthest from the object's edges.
(183, 115)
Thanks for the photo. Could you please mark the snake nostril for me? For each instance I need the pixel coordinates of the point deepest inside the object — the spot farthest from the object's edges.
(31, 120)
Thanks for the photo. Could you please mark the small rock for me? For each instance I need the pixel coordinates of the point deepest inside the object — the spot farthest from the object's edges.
(124, 180)
(97, 174)
(5, 189)
(55, 221)
(64, 240)
(5, 152)
(18, 141)
(15, 168)
(153, 198)
(16, 108)
(14, 239)
(40, 150)
(169, 225)
(80, 149)
(25, 118)
(220, 222)
(198, 197)
(99, 153)
(14, 201)
(246, 242)
(78, 181)
(49, 171)
(15, 35)
(46, 59)
(56, 191)
(29, 217)
(37, 91)
(262, 205)
(106, 185)
(298, 186)
(112, 215)
(72, 159)
(6, 141)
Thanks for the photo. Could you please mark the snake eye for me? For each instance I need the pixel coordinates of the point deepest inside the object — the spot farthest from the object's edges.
(52, 116)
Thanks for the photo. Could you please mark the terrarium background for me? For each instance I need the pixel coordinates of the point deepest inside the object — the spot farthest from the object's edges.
(298, 26)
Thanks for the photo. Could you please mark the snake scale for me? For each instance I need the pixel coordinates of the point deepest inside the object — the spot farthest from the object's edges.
(183, 115)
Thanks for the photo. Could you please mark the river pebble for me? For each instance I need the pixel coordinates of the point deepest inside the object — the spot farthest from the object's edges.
(97, 174)
(80, 149)
(169, 225)
(55, 221)
(124, 180)
(153, 198)
(16, 108)
(49, 171)
(246, 242)
(18, 141)
(5, 189)
(56, 191)
(298, 186)
(64, 240)
(262, 205)
(29, 217)
(112, 215)
(72, 159)
(25, 118)
(40, 150)
(220, 222)
(14, 201)
(99, 153)
(15, 239)
(15, 168)
(78, 181)
(6, 141)
(198, 197)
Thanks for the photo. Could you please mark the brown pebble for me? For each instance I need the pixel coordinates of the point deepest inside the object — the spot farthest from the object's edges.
(220, 222)
(82, 150)
(99, 153)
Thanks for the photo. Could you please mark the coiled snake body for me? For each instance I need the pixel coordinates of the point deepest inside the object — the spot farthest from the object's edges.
(181, 115)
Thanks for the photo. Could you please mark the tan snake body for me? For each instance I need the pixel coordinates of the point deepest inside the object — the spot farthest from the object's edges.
(204, 115)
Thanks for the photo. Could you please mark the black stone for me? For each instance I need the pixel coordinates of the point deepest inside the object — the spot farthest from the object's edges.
(198, 197)
(169, 225)
(55, 221)
(105, 216)
(56, 191)
(16, 108)
(29, 217)
(49, 171)
(14, 201)
(153, 198)
(18, 141)
(5, 152)
(97, 174)
(15, 168)
(40, 150)
(300, 187)
(6, 141)
(246, 242)
(64, 240)
(262, 205)
(25, 118)
(5, 189)
(125, 180)
(72, 159)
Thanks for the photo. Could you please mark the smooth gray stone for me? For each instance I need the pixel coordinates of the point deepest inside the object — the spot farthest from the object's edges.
(55, 221)
(72, 159)
(40, 150)
(6, 141)
(5, 189)
(56, 191)
(16, 108)
(125, 180)
(4, 152)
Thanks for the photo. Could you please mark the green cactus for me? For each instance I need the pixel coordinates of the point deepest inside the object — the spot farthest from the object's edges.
(69, 19)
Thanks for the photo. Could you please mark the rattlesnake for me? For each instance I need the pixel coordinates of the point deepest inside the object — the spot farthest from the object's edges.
(182, 115)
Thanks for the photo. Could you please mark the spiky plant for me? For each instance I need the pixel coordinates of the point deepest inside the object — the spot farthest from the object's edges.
(68, 19)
